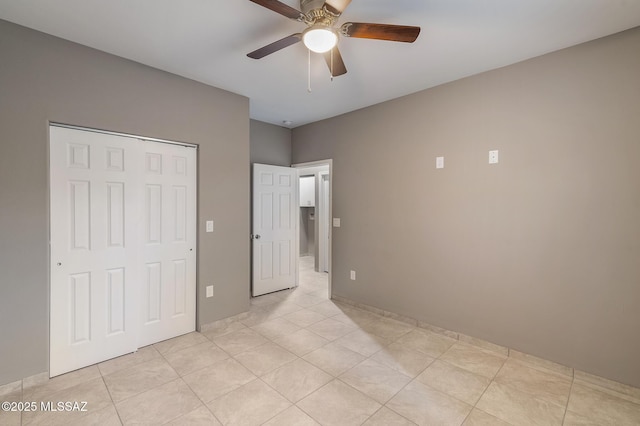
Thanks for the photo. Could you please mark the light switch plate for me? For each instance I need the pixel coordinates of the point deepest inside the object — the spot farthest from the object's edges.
(336, 222)
(209, 291)
(353, 275)
(209, 226)
(493, 157)
(439, 162)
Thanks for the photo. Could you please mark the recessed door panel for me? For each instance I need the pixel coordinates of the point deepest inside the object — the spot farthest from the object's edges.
(266, 211)
(115, 159)
(115, 214)
(115, 301)
(153, 214)
(80, 303)
(285, 250)
(78, 155)
(154, 163)
(266, 178)
(266, 260)
(180, 213)
(179, 287)
(285, 210)
(79, 215)
(153, 292)
(180, 165)
(284, 180)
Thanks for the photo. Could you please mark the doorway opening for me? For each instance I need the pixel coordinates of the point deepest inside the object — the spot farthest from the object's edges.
(314, 229)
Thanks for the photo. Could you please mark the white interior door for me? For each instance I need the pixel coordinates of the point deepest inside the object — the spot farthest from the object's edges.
(93, 248)
(168, 235)
(123, 245)
(275, 203)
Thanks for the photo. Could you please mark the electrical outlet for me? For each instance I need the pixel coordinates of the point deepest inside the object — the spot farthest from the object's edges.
(209, 291)
(493, 157)
(353, 275)
(209, 226)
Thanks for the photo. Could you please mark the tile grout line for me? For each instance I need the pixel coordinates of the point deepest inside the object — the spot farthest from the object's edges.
(396, 393)
(204, 404)
(192, 390)
(376, 412)
(293, 404)
(111, 397)
(566, 408)
(179, 377)
(493, 380)
(457, 399)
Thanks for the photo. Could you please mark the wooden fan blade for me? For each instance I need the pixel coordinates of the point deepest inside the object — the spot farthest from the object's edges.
(402, 33)
(336, 6)
(338, 67)
(275, 46)
(280, 8)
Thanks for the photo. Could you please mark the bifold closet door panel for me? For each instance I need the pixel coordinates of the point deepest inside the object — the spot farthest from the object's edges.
(168, 235)
(94, 248)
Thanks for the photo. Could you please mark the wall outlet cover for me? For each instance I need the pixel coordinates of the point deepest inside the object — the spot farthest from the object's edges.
(439, 162)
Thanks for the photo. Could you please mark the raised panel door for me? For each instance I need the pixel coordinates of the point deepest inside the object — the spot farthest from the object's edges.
(93, 248)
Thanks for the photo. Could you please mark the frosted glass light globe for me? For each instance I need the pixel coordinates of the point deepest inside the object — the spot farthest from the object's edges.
(319, 40)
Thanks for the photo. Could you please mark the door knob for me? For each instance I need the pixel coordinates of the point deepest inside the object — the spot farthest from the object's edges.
(59, 263)
(257, 237)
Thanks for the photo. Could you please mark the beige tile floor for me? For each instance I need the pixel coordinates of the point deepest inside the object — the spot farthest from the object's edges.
(297, 358)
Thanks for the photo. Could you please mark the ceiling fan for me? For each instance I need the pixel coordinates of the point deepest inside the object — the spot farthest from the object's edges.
(321, 35)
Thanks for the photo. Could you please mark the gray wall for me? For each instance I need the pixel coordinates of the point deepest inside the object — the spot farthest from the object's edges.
(270, 144)
(541, 252)
(44, 79)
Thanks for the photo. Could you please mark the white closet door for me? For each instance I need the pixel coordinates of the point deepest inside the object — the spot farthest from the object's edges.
(123, 245)
(168, 235)
(94, 244)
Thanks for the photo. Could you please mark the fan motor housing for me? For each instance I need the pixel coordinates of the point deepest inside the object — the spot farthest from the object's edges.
(308, 5)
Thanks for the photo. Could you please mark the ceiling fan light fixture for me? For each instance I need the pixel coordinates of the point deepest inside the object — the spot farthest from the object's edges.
(319, 39)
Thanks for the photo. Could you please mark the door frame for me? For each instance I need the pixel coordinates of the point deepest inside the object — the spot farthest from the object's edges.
(323, 226)
(300, 166)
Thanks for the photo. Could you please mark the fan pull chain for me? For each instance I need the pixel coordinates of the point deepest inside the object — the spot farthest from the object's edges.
(309, 72)
(331, 64)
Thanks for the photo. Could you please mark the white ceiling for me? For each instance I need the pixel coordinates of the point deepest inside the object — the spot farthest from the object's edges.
(207, 40)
